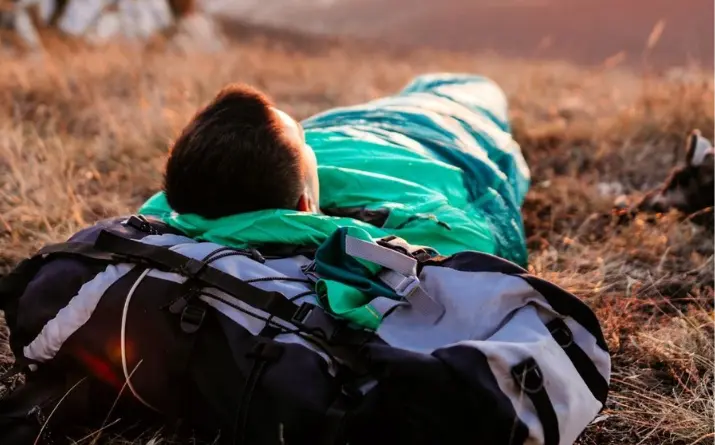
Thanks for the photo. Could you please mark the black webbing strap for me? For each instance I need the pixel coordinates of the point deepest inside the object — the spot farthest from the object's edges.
(73, 248)
(581, 361)
(272, 303)
(529, 378)
(17, 280)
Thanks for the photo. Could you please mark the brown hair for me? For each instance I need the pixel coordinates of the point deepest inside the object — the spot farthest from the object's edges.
(233, 158)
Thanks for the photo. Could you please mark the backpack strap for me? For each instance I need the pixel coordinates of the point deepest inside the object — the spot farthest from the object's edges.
(272, 303)
(399, 274)
(308, 317)
(110, 248)
(14, 283)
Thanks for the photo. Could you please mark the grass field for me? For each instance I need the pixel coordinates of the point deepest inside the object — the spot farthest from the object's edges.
(84, 134)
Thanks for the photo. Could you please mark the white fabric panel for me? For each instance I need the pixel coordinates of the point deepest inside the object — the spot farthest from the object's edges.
(73, 316)
(476, 305)
(587, 342)
(526, 336)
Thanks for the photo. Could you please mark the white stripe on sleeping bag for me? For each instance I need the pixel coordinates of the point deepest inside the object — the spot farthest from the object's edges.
(73, 316)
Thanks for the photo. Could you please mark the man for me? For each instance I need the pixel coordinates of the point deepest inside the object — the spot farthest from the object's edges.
(434, 164)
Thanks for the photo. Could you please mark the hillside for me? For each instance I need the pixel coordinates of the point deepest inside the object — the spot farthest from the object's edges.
(84, 134)
(583, 31)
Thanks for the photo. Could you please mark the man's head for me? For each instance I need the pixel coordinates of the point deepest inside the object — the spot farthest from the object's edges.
(241, 154)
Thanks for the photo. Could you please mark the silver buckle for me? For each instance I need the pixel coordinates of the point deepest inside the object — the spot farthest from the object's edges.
(407, 286)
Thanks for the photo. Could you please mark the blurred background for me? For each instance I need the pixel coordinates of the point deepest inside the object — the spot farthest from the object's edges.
(659, 33)
(581, 31)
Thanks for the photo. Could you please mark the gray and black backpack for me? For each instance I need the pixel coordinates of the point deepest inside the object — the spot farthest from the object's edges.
(130, 319)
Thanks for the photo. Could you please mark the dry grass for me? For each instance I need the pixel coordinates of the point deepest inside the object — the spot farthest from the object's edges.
(83, 135)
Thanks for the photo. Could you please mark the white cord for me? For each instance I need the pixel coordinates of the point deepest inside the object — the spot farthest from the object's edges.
(127, 376)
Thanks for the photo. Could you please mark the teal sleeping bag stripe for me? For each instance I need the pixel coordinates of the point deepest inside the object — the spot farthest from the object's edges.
(439, 154)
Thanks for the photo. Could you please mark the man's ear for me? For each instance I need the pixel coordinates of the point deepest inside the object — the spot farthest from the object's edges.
(305, 204)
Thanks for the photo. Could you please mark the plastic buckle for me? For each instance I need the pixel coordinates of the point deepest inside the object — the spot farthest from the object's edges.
(314, 319)
(192, 267)
(528, 376)
(391, 243)
(407, 286)
(309, 271)
(142, 225)
(561, 333)
(177, 306)
(191, 318)
(422, 255)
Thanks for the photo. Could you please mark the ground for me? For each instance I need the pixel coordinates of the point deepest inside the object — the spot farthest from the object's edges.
(84, 134)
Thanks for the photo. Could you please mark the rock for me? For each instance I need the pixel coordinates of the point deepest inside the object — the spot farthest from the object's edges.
(613, 188)
(101, 21)
(621, 202)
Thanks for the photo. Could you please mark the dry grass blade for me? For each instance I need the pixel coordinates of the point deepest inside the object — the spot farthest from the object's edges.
(655, 34)
(44, 425)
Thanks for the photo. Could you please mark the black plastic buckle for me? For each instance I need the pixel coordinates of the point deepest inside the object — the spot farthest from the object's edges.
(315, 320)
(142, 225)
(561, 333)
(192, 268)
(302, 313)
(388, 242)
(192, 317)
(528, 376)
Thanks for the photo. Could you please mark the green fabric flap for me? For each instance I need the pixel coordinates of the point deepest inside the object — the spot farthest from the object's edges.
(348, 284)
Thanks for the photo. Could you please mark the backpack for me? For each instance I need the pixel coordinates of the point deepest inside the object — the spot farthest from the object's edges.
(132, 317)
